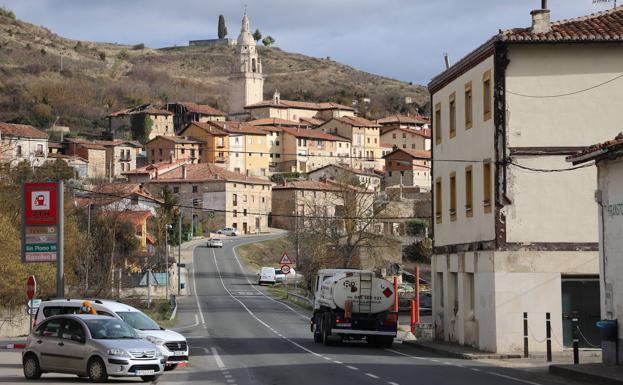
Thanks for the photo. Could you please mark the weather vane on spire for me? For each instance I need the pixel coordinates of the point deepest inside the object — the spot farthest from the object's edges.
(245, 9)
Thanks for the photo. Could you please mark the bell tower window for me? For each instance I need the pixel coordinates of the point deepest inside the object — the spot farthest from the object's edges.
(253, 65)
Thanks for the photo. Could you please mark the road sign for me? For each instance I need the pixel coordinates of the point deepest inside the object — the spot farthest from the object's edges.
(31, 286)
(285, 260)
(40, 203)
(285, 269)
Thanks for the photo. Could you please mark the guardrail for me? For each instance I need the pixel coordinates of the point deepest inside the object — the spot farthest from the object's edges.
(309, 301)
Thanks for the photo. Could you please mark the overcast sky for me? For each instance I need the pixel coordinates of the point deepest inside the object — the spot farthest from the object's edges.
(402, 39)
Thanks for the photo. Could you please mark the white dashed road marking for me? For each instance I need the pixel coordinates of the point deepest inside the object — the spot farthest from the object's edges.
(372, 375)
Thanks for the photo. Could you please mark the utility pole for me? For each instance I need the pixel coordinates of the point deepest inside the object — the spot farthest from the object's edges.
(89, 255)
(60, 272)
(166, 256)
(179, 255)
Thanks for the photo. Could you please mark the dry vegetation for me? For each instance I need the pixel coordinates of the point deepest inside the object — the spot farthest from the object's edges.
(99, 78)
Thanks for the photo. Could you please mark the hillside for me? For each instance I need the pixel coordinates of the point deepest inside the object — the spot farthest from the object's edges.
(43, 75)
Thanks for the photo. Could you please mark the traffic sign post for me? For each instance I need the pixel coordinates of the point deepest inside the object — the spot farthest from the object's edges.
(31, 289)
(285, 263)
(42, 227)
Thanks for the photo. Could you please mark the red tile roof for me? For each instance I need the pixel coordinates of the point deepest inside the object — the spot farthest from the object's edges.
(210, 127)
(178, 139)
(142, 109)
(135, 217)
(275, 122)
(307, 185)
(205, 172)
(416, 154)
(233, 127)
(21, 131)
(600, 26)
(357, 121)
(105, 143)
(402, 119)
(347, 169)
(160, 167)
(610, 148)
(423, 132)
(312, 121)
(311, 134)
(301, 105)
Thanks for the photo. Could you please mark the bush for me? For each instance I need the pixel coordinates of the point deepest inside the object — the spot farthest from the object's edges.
(123, 55)
(102, 55)
(419, 251)
(139, 46)
(284, 176)
(7, 13)
(416, 227)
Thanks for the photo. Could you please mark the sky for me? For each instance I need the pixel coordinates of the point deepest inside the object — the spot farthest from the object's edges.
(401, 39)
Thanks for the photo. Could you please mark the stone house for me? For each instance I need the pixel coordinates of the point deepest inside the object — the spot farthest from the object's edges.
(21, 142)
(175, 148)
(364, 136)
(338, 172)
(413, 139)
(185, 113)
(218, 197)
(93, 153)
(406, 167)
(151, 171)
(162, 120)
(409, 122)
(215, 148)
(306, 150)
(295, 110)
(510, 236)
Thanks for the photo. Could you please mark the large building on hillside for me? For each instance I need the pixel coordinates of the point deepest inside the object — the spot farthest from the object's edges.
(161, 120)
(246, 79)
(511, 236)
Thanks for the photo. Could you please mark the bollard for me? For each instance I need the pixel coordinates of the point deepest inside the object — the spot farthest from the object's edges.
(576, 341)
(548, 337)
(525, 335)
(413, 315)
(417, 294)
(396, 294)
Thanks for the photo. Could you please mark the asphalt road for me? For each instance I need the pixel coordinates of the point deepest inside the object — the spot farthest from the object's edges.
(240, 336)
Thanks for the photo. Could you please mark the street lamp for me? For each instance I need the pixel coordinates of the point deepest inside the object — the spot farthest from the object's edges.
(166, 255)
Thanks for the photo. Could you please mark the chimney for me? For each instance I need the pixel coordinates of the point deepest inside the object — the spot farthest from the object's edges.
(541, 19)
(183, 171)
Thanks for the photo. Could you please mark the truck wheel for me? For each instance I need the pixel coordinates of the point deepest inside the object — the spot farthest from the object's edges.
(385, 342)
(317, 331)
(326, 330)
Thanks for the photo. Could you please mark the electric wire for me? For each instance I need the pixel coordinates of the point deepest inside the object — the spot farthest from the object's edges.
(567, 93)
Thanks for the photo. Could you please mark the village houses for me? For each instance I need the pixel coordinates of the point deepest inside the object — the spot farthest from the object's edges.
(506, 239)
(185, 113)
(162, 120)
(405, 132)
(21, 142)
(341, 173)
(407, 167)
(175, 148)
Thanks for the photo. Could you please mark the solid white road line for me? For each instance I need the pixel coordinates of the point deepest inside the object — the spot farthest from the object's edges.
(217, 358)
(512, 378)
(188, 326)
(203, 321)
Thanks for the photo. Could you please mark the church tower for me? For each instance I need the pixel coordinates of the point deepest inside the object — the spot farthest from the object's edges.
(246, 79)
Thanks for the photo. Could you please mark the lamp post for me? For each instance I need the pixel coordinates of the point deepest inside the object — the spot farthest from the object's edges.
(166, 256)
(179, 254)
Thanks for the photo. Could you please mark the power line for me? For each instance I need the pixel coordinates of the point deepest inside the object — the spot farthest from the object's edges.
(203, 209)
(551, 169)
(568, 93)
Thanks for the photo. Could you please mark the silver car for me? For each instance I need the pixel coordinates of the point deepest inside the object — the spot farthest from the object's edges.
(91, 346)
(214, 242)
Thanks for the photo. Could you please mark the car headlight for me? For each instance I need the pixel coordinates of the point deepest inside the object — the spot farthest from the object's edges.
(155, 340)
(118, 353)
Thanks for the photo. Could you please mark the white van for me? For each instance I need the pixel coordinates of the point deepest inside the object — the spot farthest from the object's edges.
(171, 344)
(267, 275)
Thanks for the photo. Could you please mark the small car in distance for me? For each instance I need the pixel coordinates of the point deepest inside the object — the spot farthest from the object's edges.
(267, 276)
(214, 242)
(91, 346)
(230, 231)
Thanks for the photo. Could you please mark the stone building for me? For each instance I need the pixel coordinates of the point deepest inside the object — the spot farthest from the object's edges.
(511, 237)
(406, 167)
(21, 142)
(162, 120)
(185, 113)
(341, 173)
(246, 79)
(306, 112)
(174, 148)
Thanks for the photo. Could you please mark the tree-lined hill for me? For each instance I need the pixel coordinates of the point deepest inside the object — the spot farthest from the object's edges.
(44, 76)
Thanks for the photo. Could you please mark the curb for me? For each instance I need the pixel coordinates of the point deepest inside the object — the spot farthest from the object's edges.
(573, 373)
(462, 356)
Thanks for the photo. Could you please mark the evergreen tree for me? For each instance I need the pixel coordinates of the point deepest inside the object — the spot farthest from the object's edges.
(140, 127)
(257, 35)
(268, 41)
(222, 29)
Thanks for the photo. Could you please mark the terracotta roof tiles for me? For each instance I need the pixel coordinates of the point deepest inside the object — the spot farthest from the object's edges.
(204, 172)
(403, 119)
(598, 151)
(21, 130)
(300, 105)
(357, 121)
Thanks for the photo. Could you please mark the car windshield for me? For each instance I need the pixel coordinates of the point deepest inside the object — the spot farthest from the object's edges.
(110, 329)
(138, 320)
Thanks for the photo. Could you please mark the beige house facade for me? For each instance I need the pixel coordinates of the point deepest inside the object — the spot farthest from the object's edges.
(22, 142)
(174, 148)
(308, 113)
(364, 136)
(506, 241)
(407, 138)
(162, 120)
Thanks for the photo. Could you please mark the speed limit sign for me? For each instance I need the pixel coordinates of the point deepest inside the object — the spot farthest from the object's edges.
(285, 269)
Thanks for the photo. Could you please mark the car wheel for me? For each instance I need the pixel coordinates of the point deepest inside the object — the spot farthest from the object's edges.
(97, 370)
(148, 378)
(32, 370)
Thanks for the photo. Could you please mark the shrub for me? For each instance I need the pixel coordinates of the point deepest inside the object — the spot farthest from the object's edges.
(416, 227)
(7, 13)
(419, 251)
(123, 55)
(138, 46)
(280, 177)
(102, 55)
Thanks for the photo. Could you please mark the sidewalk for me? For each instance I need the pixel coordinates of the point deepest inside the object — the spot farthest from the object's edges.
(595, 373)
(458, 351)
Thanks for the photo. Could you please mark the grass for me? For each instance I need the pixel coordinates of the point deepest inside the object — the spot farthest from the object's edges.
(160, 311)
(265, 253)
(280, 293)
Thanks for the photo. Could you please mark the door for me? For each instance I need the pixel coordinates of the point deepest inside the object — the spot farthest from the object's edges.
(73, 347)
(244, 227)
(580, 298)
(48, 340)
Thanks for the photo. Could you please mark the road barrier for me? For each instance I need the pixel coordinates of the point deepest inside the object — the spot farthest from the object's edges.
(309, 301)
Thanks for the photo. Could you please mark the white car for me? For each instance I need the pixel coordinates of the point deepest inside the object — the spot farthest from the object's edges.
(214, 242)
(229, 231)
(281, 277)
(171, 344)
(266, 275)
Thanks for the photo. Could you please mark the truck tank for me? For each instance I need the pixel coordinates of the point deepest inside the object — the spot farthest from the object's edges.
(367, 293)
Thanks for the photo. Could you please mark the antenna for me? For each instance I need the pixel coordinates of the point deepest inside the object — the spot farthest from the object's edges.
(245, 9)
(446, 60)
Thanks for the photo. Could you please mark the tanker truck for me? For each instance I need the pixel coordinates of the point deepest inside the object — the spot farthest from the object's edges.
(353, 305)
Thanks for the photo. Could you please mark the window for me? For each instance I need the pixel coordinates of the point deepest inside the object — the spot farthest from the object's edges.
(452, 115)
(278, 155)
(122, 167)
(486, 95)
(244, 212)
(453, 196)
(176, 189)
(196, 202)
(235, 199)
(244, 197)
(160, 151)
(437, 123)
(195, 189)
(393, 136)
(18, 150)
(153, 152)
(487, 186)
(404, 145)
(413, 146)
(235, 213)
(263, 198)
(51, 328)
(438, 205)
(468, 192)
(468, 106)
(404, 135)
(276, 142)
(249, 140)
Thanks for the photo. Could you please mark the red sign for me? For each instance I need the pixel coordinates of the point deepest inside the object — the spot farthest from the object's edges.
(285, 269)
(40, 203)
(31, 287)
(388, 292)
(285, 260)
